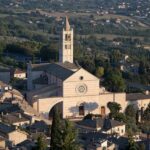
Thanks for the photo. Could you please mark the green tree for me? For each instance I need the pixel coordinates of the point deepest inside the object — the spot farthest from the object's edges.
(114, 81)
(132, 144)
(141, 146)
(131, 118)
(131, 125)
(130, 111)
(120, 117)
(63, 134)
(88, 64)
(2, 47)
(146, 115)
(56, 131)
(142, 67)
(69, 137)
(23, 48)
(41, 144)
(114, 109)
(49, 52)
(99, 72)
(115, 57)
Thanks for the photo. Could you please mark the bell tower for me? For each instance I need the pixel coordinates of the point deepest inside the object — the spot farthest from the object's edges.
(66, 50)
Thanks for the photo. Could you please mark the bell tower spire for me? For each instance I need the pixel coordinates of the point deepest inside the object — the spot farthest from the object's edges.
(66, 50)
(67, 24)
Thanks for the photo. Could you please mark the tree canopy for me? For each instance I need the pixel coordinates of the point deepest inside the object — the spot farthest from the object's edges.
(114, 81)
(41, 143)
(146, 115)
(130, 111)
(99, 72)
(49, 52)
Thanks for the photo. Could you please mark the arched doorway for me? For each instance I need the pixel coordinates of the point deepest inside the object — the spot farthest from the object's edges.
(103, 111)
(81, 109)
(58, 107)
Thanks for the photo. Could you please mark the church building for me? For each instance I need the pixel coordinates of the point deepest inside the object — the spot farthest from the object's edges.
(68, 86)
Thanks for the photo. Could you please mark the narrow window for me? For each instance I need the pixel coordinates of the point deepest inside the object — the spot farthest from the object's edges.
(81, 110)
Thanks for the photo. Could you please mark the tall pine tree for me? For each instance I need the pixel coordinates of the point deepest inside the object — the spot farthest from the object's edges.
(41, 143)
(56, 131)
(69, 140)
(63, 134)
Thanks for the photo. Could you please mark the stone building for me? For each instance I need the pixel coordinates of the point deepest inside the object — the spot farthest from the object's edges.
(2, 143)
(16, 119)
(20, 74)
(15, 136)
(102, 125)
(68, 86)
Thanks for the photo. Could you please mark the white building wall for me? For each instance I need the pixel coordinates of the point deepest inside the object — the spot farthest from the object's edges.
(20, 75)
(92, 104)
(45, 105)
(71, 105)
(113, 97)
(71, 88)
(119, 129)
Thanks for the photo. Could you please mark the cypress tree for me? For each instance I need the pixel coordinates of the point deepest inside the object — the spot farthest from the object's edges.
(41, 144)
(56, 135)
(69, 141)
(63, 134)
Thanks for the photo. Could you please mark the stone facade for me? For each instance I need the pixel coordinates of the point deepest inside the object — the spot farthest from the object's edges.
(77, 90)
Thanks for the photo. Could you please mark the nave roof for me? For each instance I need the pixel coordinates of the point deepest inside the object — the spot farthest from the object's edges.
(60, 70)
